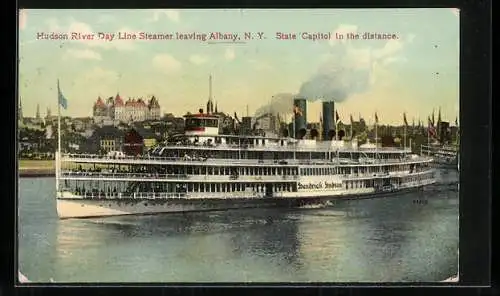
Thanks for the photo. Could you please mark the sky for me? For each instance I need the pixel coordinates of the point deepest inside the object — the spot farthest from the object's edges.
(415, 73)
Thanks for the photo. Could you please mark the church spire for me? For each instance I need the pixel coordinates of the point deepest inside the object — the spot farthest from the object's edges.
(210, 104)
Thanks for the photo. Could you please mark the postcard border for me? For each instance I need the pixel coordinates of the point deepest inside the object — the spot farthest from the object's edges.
(475, 162)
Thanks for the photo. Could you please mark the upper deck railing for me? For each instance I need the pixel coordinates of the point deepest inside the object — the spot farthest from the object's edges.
(289, 147)
(91, 158)
(176, 177)
(154, 177)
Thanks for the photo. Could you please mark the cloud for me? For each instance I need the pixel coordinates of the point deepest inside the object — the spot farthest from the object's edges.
(229, 54)
(390, 48)
(80, 27)
(96, 81)
(106, 18)
(53, 25)
(391, 60)
(351, 68)
(198, 59)
(23, 15)
(166, 63)
(260, 65)
(172, 14)
(342, 29)
(101, 75)
(410, 38)
(86, 54)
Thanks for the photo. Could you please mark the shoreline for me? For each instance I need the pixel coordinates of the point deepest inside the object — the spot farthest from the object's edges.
(36, 168)
(36, 174)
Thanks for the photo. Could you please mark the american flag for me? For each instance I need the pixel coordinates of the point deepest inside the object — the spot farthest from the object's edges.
(297, 111)
(431, 130)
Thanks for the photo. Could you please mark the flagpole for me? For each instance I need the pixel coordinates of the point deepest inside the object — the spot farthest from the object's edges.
(376, 135)
(404, 138)
(58, 152)
(336, 130)
(351, 128)
(335, 112)
(428, 137)
(376, 138)
(59, 127)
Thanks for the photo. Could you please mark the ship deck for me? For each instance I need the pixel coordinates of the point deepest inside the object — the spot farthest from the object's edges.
(155, 160)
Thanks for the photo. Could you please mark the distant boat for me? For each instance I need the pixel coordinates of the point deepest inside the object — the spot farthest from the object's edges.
(445, 156)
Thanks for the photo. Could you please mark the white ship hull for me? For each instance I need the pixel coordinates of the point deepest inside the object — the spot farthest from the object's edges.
(75, 207)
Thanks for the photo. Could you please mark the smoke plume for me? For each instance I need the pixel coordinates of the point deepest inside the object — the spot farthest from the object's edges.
(339, 77)
(280, 103)
(347, 70)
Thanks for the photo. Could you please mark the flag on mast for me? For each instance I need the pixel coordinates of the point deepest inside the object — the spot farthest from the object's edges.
(376, 118)
(404, 119)
(439, 119)
(431, 130)
(352, 124)
(297, 111)
(337, 119)
(63, 102)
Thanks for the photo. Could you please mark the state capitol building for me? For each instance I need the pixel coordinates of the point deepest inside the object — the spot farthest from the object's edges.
(132, 110)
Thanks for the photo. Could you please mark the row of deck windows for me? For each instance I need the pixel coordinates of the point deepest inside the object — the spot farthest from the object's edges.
(356, 170)
(110, 188)
(247, 154)
(266, 171)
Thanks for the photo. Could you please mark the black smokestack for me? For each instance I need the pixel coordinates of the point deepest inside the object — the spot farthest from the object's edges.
(301, 133)
(314, 134)
(331, 134)
(328, 123)
(341, 134)
(300, 115)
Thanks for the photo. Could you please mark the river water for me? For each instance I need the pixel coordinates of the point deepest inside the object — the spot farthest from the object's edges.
(411, 237)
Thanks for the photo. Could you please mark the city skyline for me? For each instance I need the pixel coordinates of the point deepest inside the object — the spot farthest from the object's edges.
(414, 74)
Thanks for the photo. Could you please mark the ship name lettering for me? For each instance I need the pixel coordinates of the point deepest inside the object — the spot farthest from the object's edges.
(310, 186)
(332, 185)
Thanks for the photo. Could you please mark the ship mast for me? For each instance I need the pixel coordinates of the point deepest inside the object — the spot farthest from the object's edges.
(210, 88)
(210, 99)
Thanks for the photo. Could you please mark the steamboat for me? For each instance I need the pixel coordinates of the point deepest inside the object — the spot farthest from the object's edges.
(202, 170)
(445, 156)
